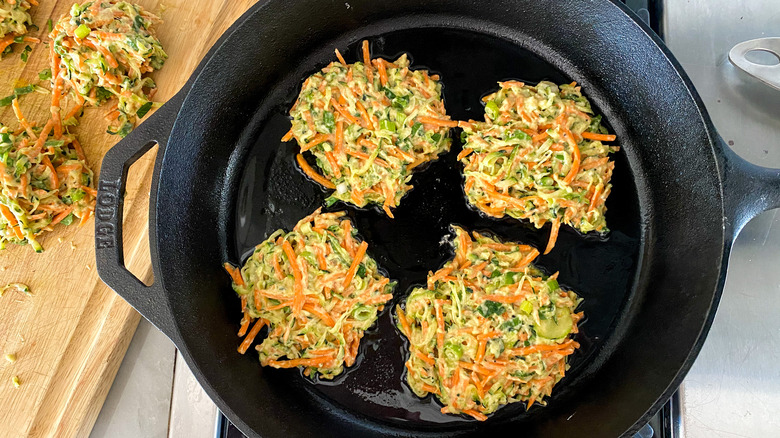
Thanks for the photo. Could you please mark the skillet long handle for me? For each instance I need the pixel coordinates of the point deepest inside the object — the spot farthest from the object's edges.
(749, 190)
(109, 254)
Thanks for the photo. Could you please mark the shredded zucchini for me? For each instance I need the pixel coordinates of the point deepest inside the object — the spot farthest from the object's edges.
(489, 329)
(540, 155)
(317, 291)
(102, 50)
(42, 183)
(369, 124)
(14, 18)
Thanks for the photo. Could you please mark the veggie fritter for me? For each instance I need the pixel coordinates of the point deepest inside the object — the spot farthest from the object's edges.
(489, 329)
(317, 291)
(14, 20)
(44, 182)
(102, 50)
(540, 155)
(369, 124)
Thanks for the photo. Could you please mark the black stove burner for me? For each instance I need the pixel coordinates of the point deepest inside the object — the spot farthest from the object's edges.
(665, 424)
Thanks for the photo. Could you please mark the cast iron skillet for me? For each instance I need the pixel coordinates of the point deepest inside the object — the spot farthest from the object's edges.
(223, 182)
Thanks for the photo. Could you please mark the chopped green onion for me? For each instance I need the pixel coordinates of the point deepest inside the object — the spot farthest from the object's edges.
(26, 53)
(452, 352)
(144, 109)
(416, 128)
(82, 31)
(520, 135)
(329, 120)
(489, 308)
(491, 109)
(68, 220)
(387, 125)
(55, 143)
(44, 75)
(122, 131)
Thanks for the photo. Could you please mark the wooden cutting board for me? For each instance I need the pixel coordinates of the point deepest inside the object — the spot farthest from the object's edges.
(71, 334)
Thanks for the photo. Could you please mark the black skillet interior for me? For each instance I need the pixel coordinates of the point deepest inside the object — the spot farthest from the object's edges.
(274, 194)
(225, 182)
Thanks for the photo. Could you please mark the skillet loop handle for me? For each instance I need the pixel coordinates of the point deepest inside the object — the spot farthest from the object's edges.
(768, 74)
(749, 190)
(109, 253)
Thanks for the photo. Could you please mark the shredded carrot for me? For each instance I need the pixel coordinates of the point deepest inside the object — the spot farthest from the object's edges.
(341, 110)
(530, 402)
(539, 137)
(528, 259)
(364, 114)
(366, 55)
(312, 173)
(525, 351)
(506, 299)
(235, 273)
(107, 55)
(591, 163)
(22, 121)
(575, 165)
(11, 221)
(598, 137)
(380, 67)
(303, 362)
(338, 147)
(441, 273)
(55, 104)
(437, 122)
(424, 357)
(245, 321)
(251, 336)
(319, 313)
(404, 322)
(321, 262)
(361, 251)
(292, 259)
(44, 135)
(594, 199)
(429, 388)
(481, 350)
(334, 165)
(317, 139)
(349, 243)
(341, 58)
(287, 137)
(477, 415)
(465, 153)
(7, 41)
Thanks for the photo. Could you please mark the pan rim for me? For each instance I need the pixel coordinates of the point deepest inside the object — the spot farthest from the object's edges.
(196, 79)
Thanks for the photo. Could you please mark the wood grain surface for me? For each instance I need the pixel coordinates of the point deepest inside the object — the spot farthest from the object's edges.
(71, 334)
